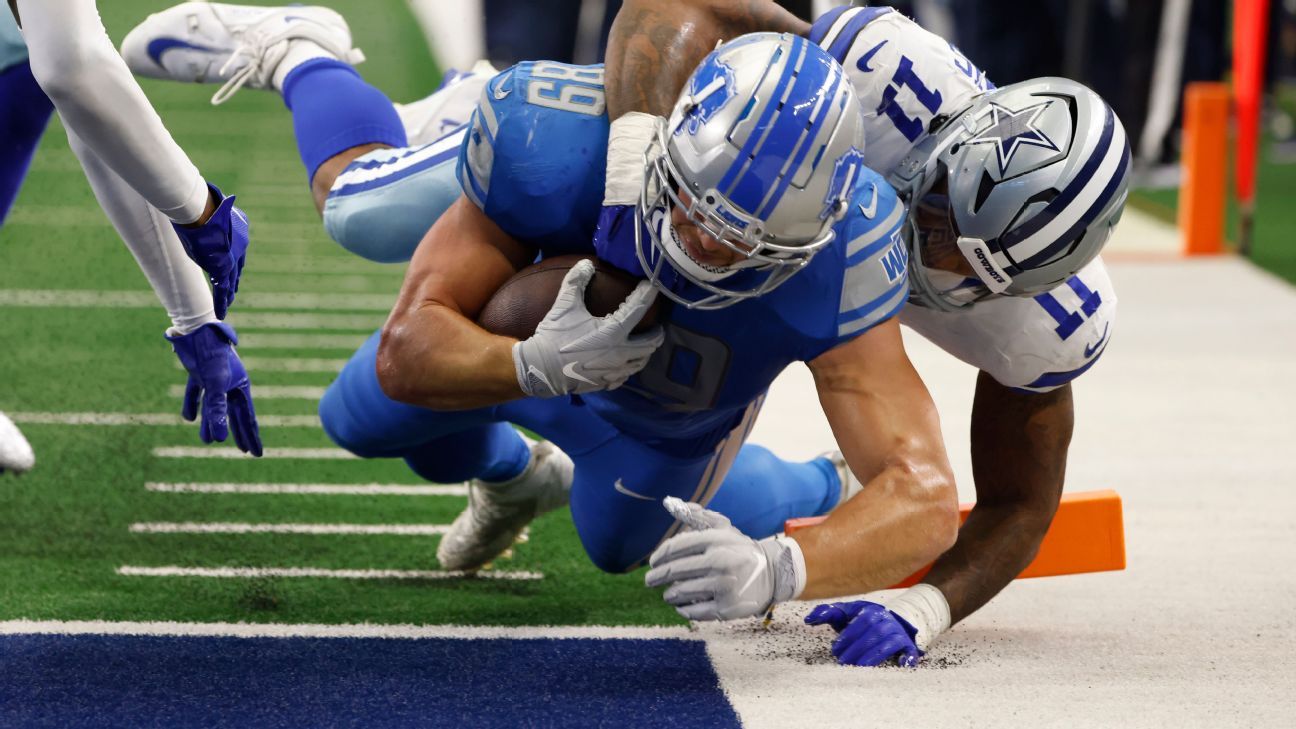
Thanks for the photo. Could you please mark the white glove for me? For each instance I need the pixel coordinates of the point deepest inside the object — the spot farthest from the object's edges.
(573, 351)
(715, 572)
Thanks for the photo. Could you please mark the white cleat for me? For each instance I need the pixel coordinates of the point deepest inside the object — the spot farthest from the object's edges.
(15, 452)
(849, 484)
(234, 45)
(497, 513)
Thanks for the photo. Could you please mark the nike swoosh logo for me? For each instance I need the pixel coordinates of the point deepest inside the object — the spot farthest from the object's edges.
(621, 489)
(569, 370)
(1091, 350)
(159, 46)
(501, 92)
(871, 211)
(760, 567)
(863, 63)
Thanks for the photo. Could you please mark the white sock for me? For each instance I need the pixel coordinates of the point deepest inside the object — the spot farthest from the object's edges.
(299, 52)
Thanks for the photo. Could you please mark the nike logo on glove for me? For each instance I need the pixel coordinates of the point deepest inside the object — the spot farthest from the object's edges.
(756, 572)
(621, 489)
(569, 370)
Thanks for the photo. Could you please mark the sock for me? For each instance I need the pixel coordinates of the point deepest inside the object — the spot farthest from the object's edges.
(24, 112)
(491, 452)
(762, 491)
(334, 109)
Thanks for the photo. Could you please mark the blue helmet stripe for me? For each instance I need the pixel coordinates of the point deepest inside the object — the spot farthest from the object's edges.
(757, 132)
(807, 142)
(1061, 202)
(789, 126)
(1099, 204)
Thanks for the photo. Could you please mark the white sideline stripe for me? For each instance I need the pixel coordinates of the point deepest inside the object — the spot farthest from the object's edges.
(270, 392)
(277, 421)
(287, 364)
(146, 300)
(323, 454)
(252, 572)
(193, 527)
(348, 342)
(365, 630)
(246, 321)
(328, 489)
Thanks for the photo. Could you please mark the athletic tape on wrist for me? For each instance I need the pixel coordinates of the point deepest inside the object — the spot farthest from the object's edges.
(628, 138)
(926, 608)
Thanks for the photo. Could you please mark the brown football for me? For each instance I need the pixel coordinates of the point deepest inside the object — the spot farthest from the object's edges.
(521, 302)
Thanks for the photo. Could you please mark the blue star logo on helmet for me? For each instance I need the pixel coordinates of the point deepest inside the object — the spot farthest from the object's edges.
(711, 87)
(1011, 129)
(845, 172)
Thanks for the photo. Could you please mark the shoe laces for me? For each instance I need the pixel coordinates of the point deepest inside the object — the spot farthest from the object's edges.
(256, 47)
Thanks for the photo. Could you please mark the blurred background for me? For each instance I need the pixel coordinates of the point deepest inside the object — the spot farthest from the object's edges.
(1141, 55)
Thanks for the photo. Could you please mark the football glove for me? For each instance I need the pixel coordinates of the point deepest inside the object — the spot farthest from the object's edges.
(712, 571)
(219, 383)
(868, 634)
(573, 351)
(219, 246)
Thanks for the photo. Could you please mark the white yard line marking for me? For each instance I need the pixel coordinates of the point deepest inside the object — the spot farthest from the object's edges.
(256, 572)
(326, 489)
(273, 263)
(59, 298)
(270, 392)
(348, 342)
(365, 630)
(324, 454)
(290, 364)
(277, 421)
(247, 321)
(194, 527)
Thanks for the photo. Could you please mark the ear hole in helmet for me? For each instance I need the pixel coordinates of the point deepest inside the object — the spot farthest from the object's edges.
(984, 188)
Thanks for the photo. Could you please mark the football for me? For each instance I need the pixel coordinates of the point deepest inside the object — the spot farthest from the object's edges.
(518, 306)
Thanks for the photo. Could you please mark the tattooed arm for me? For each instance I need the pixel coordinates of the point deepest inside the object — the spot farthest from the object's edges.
(1019, 448)
(655, 44)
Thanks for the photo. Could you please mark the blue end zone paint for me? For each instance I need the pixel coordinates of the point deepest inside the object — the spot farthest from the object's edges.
(117, 681)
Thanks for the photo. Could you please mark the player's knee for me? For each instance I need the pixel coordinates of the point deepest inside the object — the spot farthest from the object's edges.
(343, 427)
(375, 234)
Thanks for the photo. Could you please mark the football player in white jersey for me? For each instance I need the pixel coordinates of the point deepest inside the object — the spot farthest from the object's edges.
(182, 231)
(1004, 277)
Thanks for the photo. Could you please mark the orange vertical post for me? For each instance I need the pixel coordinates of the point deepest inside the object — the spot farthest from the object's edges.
(1250, 32)
(1203, 187)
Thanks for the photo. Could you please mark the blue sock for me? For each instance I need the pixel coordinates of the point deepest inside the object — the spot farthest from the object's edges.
(334, 109)
(762, 491)
(490, 452)
(24, 112)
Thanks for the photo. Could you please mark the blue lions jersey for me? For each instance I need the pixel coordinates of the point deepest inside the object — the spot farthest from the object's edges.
(535, 161)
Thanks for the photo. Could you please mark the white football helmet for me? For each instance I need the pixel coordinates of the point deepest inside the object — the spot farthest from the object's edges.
(762, 151)
(1024, 187)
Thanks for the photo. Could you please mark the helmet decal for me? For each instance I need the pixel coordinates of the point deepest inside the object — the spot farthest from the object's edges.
(1011, 128)
(711, 87)
(845, 172)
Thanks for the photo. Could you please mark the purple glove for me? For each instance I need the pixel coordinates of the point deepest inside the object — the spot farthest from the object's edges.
(869, 634)
(216, 375)
(219, 246)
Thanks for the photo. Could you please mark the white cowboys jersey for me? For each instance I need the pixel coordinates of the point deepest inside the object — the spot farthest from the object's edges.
(905, 77)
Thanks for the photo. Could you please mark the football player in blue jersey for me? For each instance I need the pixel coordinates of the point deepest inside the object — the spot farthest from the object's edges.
(1005, 277)
(164, 210)
(753, 214)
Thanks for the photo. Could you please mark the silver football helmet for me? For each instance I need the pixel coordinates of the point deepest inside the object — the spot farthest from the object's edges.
(762, 152)
(1017, 192)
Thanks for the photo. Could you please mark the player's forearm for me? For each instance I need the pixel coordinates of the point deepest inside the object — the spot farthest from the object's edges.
(434, 357)
(655, 44)
(902, 519)
(1019, 447)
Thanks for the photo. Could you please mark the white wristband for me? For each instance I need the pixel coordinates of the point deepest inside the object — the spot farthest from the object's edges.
(925, 607)
(798, 564)
(628, 138)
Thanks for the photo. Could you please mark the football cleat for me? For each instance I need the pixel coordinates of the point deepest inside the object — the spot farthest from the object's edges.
(498, 511)
(849, 484)
(234, 45)
(15, 452)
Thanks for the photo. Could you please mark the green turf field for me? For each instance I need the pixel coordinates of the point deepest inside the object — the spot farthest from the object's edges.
(66, 528)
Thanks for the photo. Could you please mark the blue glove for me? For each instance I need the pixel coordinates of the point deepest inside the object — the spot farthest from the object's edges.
(869, 634)
(219, 246)
(217, 377)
